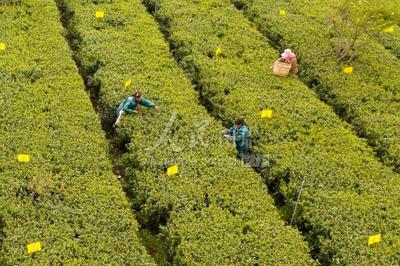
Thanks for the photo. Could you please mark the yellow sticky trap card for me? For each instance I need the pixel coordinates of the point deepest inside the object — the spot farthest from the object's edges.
(2, 46)
(389, 29)
(172, 170)
(34, 247)
(128, 83)
(99, 14)
(282, 12)
(372, 240)
(218, 51)
(266, 113)
(23, 158)
(348, 70)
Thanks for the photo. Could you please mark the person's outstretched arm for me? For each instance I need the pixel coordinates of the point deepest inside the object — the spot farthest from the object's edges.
(148, 103)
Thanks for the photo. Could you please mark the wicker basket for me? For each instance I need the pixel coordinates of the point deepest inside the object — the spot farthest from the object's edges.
(281, 68)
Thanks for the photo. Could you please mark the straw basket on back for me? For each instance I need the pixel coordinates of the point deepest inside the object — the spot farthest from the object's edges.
(281, 68)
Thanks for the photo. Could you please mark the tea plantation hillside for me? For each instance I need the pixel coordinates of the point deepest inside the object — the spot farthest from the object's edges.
(164, 187)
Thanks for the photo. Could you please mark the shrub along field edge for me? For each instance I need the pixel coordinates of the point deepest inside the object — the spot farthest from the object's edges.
(66, 197)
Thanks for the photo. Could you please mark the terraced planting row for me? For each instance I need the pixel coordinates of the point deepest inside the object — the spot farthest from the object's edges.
(66, 197)
(389, 37)
(368, 98)
(347, 195)
(214, 211)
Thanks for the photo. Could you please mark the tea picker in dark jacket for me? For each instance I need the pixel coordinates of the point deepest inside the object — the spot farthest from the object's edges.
(131, 105)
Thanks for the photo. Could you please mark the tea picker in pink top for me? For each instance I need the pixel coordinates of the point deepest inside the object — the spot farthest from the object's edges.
(286, 64)
(289, 57)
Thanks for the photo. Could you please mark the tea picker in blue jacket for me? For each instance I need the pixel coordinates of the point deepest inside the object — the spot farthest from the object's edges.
(131, 105)
(239, 133)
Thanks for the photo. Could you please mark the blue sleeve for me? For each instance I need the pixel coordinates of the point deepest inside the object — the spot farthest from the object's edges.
(248, 133)
(147, 103)
(128, 106)
(231, 130)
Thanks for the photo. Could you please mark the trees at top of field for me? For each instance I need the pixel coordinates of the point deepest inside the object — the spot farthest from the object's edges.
(351, 19)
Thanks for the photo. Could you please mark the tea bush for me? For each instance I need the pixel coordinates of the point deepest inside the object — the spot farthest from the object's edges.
(215, 210)
(321, 9)
(66, 197)
(368, 98)
(347, 195)
(391, 40)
